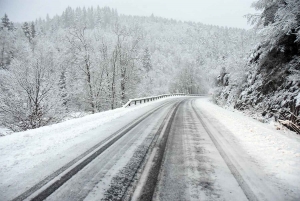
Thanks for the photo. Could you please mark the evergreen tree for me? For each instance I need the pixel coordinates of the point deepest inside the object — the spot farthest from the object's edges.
(98, 16)
(7, 39)
(147, 65)
(32, 30)
(5, 21)
(27, 31)
(278, 20)
(63, 90)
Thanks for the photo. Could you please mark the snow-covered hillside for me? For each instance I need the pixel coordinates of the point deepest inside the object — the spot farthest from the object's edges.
(91, 60)
(270, 84)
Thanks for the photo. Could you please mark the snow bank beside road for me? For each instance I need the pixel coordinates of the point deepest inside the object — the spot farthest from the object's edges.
(4, 131)
(277, 151)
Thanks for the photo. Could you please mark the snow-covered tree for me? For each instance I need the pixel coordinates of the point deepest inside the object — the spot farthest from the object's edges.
(147, 64)
(27, 31)
(7, 39)
(32, 30)
(5, 23)
(63, 90)
(278, 19)
(81, 50)
(30, 100)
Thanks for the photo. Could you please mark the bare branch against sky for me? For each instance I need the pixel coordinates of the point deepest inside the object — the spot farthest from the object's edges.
(216, 12)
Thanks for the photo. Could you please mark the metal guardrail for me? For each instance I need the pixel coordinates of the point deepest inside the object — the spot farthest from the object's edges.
(195, 94)
(151, 98)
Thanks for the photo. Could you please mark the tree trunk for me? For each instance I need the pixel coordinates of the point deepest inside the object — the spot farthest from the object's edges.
(91, 96)
(113, 85)
(123, 82)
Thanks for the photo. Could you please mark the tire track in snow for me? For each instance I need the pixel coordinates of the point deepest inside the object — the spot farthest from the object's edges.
(121, 182)
(244, 186)
(146, 189)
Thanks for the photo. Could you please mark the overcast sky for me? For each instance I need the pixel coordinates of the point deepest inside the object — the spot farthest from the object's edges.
(216, 12)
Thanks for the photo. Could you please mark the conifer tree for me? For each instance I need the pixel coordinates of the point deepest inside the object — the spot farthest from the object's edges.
(27, 31)
(32, 30)
(63, 90)
(147, 65)
(5, 21)
(7, 40)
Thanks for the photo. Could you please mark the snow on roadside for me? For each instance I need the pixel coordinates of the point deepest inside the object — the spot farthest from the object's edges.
(4, 131)
(27, 157)
(75, 124)
(278, 151)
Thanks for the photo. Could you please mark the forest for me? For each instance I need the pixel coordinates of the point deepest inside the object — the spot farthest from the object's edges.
(89, 60)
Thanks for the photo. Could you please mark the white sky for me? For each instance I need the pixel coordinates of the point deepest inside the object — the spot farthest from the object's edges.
(216, 12)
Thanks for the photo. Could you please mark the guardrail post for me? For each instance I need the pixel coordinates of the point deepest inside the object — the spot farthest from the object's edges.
(135, 102)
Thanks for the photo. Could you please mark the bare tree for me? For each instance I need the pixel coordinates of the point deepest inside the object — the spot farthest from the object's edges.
(29, 93)
(81, 50)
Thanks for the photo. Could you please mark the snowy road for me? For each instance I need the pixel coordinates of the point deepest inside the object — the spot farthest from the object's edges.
(175, 149)
(201, 164)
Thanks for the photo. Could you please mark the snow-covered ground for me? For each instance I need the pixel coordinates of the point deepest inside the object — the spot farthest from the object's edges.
(4, 131)
(31, 155)
(276, 151)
